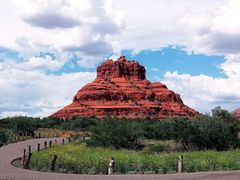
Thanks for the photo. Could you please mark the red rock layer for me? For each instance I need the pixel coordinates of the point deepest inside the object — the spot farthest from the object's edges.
(121, 90)
(236, 114)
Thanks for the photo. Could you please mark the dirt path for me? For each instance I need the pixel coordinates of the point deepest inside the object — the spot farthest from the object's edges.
(12, 151)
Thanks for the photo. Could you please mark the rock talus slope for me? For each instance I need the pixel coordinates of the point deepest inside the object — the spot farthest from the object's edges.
(121, 90)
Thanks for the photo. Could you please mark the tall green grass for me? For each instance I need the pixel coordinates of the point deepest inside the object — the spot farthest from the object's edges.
(77, 158)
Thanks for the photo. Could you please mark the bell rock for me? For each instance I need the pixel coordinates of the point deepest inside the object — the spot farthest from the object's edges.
(121, 90)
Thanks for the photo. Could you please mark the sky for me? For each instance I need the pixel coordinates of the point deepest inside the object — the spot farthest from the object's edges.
(50, 48)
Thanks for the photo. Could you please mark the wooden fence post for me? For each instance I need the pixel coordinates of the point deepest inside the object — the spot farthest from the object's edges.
(24, 156)
(26, 162)
(52, 163)
(55, 142)
(26, 165)
(111, 166)
(180, 164)
(45, 144)
(38, 147)
(50, 144)
(29, 150)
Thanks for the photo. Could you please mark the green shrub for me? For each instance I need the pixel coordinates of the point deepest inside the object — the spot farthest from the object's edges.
(185, 132)
(115, 133)
(3, 137)
(22, 125)
(158, 129)
(78, 123)
(48, 123)
(83, 124)
(219, 131)
(76, 137)
(153, 146)
(215, 133)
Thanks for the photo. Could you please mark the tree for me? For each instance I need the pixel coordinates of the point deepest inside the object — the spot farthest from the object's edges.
(231, 121)
(184, 131)
(158, 129)
(3, 137)
(223, 114)
(116, 133)
(81, 123)
(48, 123)
(215, 133)
(219, 131)
(78, 123)
(22, 125)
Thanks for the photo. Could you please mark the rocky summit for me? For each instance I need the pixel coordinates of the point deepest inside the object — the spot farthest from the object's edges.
(121, 90)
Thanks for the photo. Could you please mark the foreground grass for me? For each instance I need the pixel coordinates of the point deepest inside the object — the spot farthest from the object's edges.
(77, 158)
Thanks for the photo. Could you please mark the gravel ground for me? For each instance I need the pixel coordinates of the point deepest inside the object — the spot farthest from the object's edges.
(13, 151)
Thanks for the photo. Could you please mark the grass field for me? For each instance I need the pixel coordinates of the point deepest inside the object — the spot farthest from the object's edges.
(77, 158)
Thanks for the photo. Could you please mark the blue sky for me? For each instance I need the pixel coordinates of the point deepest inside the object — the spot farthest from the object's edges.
(175, 59)
(50, 48)
(157, 62)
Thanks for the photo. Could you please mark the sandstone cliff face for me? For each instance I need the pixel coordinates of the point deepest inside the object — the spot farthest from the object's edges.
(121, 90)
(236, 114)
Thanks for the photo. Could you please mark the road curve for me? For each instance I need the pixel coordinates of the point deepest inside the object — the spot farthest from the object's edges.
(13, 151)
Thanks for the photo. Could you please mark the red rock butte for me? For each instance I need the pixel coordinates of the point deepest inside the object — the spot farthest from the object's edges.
(236, 114)
(121, 90)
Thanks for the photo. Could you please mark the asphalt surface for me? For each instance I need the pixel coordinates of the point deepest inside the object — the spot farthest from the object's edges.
(13, 151)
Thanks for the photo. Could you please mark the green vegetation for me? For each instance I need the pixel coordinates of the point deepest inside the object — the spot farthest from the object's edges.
(154, 146)
(23, 126)
(3, 137)
(78, 123)
(218, 131)
(78, 158)
(138, 146)
(115, 133)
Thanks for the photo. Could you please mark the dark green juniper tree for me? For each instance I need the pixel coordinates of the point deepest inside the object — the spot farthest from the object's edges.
(3, 137)
(116, 133)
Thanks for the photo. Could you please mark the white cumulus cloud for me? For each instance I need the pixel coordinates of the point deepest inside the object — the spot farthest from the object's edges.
(204, 92)
(75, 26)
(37, 93)
(214, 30)
(6, 114)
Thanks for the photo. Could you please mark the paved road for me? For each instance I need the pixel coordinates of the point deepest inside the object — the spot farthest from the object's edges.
(12, 151)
